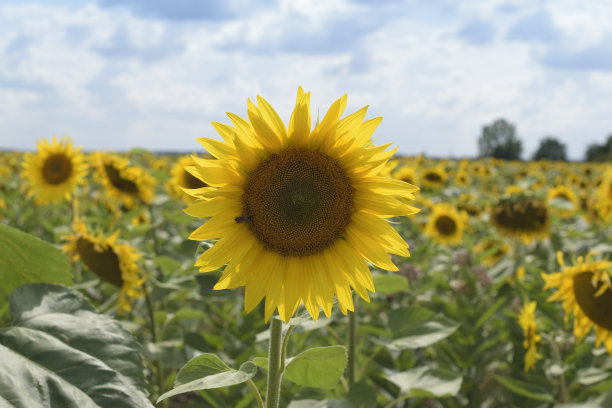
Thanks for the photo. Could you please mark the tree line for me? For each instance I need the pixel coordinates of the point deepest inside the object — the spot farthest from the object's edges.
(499, 140)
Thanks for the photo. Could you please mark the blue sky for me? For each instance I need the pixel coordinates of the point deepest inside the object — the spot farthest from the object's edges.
(117, 74)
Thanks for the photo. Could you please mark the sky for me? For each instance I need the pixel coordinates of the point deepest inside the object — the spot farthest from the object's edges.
(119, 74)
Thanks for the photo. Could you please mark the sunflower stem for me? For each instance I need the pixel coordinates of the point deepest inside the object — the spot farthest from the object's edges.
(274, 364)
(158, 367)
(284, 348)
(563, 391)
(351, 348)
(260, 403)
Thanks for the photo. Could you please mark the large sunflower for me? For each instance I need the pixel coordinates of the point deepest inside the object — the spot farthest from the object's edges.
(586, 292)
(112, 262)
(52, 173)
(562, 200)
(130, 185)
(446, 224)
(522, 217)
(298, 211)
(182, 179)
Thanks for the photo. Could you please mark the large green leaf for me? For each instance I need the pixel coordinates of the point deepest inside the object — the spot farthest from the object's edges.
(390, 283)
(427, 382)
(60, 353)
(525, 389)
(319, 367)
(27, 259)
(415, 327)
(208, 371)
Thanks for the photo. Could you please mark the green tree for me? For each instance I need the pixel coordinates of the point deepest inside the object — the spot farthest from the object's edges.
(499, 140)
(550, 149)
(596, 152)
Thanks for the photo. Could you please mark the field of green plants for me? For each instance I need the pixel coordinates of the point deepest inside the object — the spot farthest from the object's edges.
(504, 301)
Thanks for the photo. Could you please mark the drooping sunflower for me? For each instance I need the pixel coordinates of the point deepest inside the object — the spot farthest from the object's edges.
(182, 179)
(585, 289)
(562, 200)
(129, 185)
(521, 217)
(526, 320)
(54, 171)
(298, 211)
(112, 262)
(446, 224)
(500, 250)
(434, 177)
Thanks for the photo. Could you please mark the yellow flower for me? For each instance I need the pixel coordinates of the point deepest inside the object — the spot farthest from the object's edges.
(298, 211)
(182, 179)
(499, 247)
(53, 173)
(112, 262)
(586, 292)
(434, 178)
(521, 217)
(562, 200)
(408, 174)
(462, 178)
(445, 224)
(527, 322)
(129, 185)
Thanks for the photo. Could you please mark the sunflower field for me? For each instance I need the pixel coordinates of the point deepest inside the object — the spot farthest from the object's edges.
(302, 265)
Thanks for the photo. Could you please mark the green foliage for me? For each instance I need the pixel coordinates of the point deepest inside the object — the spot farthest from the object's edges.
(416, 327)
(76, 357)
(499, 140)
(599, 153)
(25, 258)
(319, 367)
(550, 149)
(427, 382)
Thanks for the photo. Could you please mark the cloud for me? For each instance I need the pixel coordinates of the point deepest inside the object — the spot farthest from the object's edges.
(537, 27)
(177, 10)
(597, 57)
(477, 32)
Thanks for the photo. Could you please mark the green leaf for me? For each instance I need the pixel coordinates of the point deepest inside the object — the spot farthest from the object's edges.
(208, 371)
(61, 353)
(427, 382)
(186, 313)
(390, 283)
(525, 389)
(27, 259)
(319, 367)
(415, 327)
(261, 362)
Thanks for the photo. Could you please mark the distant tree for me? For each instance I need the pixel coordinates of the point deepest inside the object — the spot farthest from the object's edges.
(499, 140)
(550, 149)
(600, 153)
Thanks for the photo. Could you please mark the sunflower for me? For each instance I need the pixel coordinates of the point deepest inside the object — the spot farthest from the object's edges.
(434, 178)
(112, 262)
(585, 289)
(182, 179)
(408, 174)
(298, 211)
(129, 185)
(445, 224)
(462, 178)
(526, 320)
(521, 217)
(500, 250)
(563, 201)
(53, 173)
(603, 198)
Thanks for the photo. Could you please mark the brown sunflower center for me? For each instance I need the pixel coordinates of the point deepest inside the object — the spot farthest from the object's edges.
(597, 309)
(191, 181)
(433, 177)
(528, 215)
(105, 264)
(120, 183)
(57, 168)
(297, 202)
(446, 225)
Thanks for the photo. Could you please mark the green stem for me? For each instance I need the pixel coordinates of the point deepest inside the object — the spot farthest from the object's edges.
(368, 361)
(274, 364)
(395, 401)
(260, 403)
(284, 348)
(158, 366)
(563, 391)
(351, 348)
